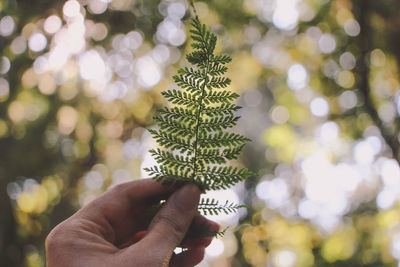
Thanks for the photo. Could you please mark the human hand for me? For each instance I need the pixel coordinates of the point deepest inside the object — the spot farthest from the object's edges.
(113, 230)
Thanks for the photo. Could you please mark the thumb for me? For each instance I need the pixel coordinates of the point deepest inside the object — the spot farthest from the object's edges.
(170, 224)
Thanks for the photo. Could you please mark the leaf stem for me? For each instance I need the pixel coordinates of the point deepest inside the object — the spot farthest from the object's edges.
(364, 18)
(193, 7)
(198, 119)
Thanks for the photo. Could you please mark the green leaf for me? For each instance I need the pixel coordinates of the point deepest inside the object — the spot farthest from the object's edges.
(173, 141)
(223, 109)
(224, 177)
(168, 159)
(209, 206)
(220, 97)
(222, 139)
(218, 123)
(181, 98)
(195, 145)
(171, 125)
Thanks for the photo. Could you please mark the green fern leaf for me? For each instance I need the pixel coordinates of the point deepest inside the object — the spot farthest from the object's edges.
(195, 146)
(209, 206)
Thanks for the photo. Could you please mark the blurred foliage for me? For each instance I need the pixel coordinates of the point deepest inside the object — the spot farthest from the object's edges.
(319, 83)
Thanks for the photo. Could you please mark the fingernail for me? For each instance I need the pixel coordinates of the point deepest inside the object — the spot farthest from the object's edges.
(188, 197)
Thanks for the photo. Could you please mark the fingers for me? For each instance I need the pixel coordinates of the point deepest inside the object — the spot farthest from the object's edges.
(120, 212)
(188, 258)
(199, 234)
(170, 224)
(202, 227)
(144, 189)
(196, 242)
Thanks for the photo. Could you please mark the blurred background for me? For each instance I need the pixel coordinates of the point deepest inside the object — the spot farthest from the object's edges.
(80, 81)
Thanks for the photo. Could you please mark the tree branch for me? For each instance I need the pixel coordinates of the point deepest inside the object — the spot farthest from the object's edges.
(364, 71)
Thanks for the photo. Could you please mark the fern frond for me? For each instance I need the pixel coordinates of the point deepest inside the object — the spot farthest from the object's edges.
(219, 97)
(195, 145)
(215, 156)
(167, 175)
(190, 83)
(209, 206)
(222, 139)
(181, 98)
(172, 141)
(225, 177)
(198, 58)
(168, 159)
(210, 156)
(218, 82)
(232, 152)
(203, 39)
(216, 69)
(219, 123)
(191, 72)
(178, 127)
(184, 115)
(224, 109)
(220, 59)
